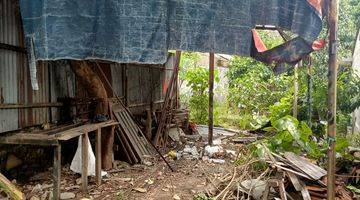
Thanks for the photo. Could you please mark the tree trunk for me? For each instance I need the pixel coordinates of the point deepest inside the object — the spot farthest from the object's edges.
(96, 89)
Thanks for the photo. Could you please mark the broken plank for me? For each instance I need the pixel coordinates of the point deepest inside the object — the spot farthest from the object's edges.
(295, 181)
(10, 189)
(292, 171)
(310, 169)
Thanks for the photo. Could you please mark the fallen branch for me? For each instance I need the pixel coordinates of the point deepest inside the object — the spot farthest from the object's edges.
(227, 187)
(10, 189)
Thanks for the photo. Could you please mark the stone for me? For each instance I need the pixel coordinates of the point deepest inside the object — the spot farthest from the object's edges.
(141, 190)
(34, 198)
(78, 181)
(174, 134)
(212, 151)
(257, 187)
(176, 197)
(67, 195)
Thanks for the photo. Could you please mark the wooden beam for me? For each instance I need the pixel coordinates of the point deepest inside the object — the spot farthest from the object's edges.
(57, 172)
(12, 48)
(10, 189)
(211, 97)
(332, 81)
(29, 105)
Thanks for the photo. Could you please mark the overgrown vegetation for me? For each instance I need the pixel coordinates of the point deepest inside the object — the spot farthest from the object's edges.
(261, 100)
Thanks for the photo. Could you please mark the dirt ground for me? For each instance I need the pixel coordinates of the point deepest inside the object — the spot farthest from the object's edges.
(152, 180)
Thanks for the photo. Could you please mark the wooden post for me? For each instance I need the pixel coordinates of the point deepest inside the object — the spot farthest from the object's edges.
(211, 97)
(92, 82)
(148, 123)
(296, 91)
(84, 162)
(98, 156)
(332, 79)
(309, 93)
(57, 172)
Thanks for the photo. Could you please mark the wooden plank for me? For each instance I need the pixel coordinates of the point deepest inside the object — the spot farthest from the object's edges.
(57, 172)
(313, 171)
(299, 186)
(140, 135)
(29, 139)
(77, 131)
(84, 163)
(98, 156)
(131, 140)
(68, 135)
(295, 181)
(132, 134)
(10, 189)
(29, 105)
(282, 190)
(290, 170)
(126, 148)
(135, 132)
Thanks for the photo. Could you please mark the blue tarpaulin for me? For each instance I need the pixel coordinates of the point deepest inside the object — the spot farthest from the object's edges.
(142, 31)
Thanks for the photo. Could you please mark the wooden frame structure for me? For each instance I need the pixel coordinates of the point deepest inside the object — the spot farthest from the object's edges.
(49, 138)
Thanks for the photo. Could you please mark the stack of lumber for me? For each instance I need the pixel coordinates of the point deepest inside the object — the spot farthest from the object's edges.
(307, 179)
(133, 142)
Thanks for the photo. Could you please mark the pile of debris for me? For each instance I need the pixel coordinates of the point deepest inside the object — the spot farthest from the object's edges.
(287, 176)
(306, 178)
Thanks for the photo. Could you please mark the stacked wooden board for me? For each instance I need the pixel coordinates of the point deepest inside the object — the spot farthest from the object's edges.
(133, 143)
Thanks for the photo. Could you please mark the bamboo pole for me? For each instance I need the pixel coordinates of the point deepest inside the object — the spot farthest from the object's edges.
(211, 97)
(332, 78)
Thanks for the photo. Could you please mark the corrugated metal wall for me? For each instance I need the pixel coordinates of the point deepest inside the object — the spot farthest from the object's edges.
(10, 62)
(15, 86)
(56, 79)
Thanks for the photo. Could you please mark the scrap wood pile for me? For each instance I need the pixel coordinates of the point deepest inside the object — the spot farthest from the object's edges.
(132, 140)
(288, 177)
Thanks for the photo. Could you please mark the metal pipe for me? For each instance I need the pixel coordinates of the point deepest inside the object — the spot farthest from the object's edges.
(332, 79)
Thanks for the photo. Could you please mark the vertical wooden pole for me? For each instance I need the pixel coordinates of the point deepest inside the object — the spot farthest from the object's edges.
(332, 79)
(98, 156)
(309, 93)
(85, 161)
(211, 97)
(148, 123)
(57, 172)
(296, 91)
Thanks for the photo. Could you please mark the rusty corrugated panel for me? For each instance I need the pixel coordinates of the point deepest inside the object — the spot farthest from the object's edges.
(62, 83)
(9, 64)
(41, 115)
